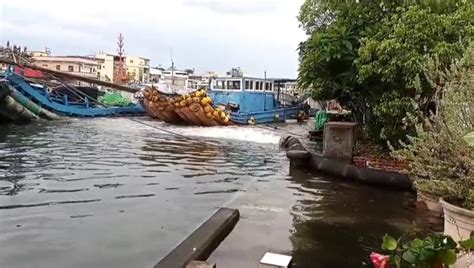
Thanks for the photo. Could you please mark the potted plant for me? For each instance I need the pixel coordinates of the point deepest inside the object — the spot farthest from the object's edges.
(440, 159)
(434, 251)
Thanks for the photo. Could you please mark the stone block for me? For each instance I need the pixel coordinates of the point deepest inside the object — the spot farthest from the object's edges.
(339, 139)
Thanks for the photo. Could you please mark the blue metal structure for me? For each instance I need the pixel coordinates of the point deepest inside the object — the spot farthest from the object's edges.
(62, 104)
(251, 99)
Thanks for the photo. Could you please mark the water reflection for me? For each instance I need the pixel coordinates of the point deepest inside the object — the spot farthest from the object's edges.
(338, 224)
(110, 192)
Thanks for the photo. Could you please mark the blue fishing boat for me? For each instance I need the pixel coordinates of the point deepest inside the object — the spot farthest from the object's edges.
(64, 99)
(253, 100)
(229, 100)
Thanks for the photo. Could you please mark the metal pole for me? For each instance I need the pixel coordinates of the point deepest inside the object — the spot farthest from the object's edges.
(264, 89)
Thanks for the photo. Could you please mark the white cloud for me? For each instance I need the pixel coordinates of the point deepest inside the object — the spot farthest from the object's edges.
(206, 34)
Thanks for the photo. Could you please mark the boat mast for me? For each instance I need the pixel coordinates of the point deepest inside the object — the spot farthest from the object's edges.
(264, 88)
(172, 70)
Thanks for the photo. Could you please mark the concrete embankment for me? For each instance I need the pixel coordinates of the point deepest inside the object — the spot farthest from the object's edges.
(301, 158)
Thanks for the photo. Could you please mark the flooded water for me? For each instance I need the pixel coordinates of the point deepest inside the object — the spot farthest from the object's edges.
(117, 193)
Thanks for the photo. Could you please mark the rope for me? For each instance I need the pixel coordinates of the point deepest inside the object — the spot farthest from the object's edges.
(173, 133)
(277, 129)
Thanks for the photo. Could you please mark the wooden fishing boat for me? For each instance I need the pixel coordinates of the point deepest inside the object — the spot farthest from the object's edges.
(230, 100)
(194, 108)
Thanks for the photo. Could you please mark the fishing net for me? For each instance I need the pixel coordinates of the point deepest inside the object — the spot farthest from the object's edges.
(114, 99)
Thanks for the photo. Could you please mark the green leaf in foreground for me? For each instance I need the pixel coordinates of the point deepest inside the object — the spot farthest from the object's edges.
(389, 243)
(409, 257)
(467, 244)
(448, 256)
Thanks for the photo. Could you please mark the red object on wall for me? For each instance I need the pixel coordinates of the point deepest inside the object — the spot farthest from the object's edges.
(366, 161)
(29, 73)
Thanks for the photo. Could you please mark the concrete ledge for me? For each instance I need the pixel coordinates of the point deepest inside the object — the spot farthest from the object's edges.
(342, 169)
(203, 241)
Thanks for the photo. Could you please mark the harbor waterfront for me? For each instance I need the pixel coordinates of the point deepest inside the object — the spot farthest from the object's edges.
(117, 193)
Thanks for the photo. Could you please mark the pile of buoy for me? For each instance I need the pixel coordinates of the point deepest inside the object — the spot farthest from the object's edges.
(195, 108)
(157, 100)
(200, 97)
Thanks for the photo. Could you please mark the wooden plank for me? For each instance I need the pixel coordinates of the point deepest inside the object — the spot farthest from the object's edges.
(203, 241)
(71, 76)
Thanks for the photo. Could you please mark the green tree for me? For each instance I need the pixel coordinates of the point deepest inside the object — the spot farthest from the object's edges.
(440, 161)
(372, 56)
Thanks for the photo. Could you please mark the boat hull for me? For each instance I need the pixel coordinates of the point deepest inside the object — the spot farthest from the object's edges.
(42, 98)
(196, 108)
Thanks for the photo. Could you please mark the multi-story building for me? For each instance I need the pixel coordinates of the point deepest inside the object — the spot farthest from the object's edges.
(138, 68)
(78, 65)
(105, 70)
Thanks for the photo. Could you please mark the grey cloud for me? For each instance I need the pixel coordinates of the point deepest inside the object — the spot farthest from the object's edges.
(232, 7)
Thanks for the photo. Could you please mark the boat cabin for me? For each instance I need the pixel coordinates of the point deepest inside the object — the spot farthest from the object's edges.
(244, 94)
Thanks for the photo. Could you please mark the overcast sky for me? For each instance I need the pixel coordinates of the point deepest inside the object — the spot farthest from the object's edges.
(256, 35)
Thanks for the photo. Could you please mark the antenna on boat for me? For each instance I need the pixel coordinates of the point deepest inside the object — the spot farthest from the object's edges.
(172, 69)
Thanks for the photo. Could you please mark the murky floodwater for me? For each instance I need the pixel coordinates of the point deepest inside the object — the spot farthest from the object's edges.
(116, 193)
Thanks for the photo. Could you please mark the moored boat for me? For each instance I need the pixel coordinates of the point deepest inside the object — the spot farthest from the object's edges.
(65, 99)
(230, 100)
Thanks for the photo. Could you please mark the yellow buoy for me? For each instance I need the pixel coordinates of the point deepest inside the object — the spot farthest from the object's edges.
(207, 108)
(226, 119)
(204, 101)
(216, 113)
(209, 115)
(199, 93)
(222, 115)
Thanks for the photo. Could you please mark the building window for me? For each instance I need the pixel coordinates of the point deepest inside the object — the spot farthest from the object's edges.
(70, 68)
(45, 65)
(98, 67)
(258, 85)
(58, 67)
(98, 75)
(131, 61)
(79, 68)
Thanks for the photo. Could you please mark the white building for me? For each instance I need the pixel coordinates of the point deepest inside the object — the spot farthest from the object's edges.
(156, 75)
(176, 78)
(201, 80)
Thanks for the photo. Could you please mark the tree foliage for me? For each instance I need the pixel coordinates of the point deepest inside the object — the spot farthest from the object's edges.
(440, 160)
(372, 55)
